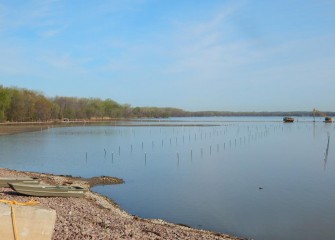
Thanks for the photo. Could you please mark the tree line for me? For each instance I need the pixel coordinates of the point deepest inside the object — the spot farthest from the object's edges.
(23, 105)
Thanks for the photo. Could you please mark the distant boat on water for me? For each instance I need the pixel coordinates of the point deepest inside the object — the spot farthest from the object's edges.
(328, 119)
(288, 119)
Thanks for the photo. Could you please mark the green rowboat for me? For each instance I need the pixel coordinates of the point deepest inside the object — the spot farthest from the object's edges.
(44, 190)
(5, 180)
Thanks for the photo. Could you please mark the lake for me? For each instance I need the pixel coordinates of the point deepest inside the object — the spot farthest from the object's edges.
(251, 177)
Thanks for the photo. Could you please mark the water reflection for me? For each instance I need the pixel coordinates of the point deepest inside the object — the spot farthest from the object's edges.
(205, 176)
(326, 153)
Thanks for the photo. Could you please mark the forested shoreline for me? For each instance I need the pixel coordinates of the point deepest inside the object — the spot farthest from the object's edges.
(23, 105)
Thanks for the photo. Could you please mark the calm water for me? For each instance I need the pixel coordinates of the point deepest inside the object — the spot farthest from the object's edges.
(203, 176)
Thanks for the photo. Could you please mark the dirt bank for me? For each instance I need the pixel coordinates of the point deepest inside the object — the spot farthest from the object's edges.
(18, 128)
(14, 128)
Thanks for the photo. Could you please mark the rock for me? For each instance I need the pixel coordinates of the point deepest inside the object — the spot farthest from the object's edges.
(33, 222)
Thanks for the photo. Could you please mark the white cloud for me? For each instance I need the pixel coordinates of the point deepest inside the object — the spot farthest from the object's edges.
(64, 62)
(117, 6)
(206, 48)
(40, 17)
(49, 33)
(12, 60)
(3, 15)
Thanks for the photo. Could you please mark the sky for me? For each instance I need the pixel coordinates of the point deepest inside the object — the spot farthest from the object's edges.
(220, 55)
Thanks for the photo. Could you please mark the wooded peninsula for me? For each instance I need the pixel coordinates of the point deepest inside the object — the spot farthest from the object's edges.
(23, 105)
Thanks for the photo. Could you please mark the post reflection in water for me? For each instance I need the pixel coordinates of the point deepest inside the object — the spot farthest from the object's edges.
(326, 153)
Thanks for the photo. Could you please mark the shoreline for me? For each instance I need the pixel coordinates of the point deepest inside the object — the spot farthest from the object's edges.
(96, 216)
(23, 127)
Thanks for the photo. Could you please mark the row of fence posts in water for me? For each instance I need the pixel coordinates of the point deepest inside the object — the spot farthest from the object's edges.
(254, 136)
(251, 136)
(177, 154)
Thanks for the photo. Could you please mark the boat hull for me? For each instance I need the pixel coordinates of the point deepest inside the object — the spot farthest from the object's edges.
(328, 120)
(27, 180)
(40, 190)
(288, 119)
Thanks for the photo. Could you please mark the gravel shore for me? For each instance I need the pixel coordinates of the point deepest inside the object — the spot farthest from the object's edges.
(97, 217)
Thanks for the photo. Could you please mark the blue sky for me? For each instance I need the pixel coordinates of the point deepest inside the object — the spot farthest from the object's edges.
(195, 55)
